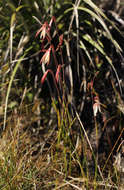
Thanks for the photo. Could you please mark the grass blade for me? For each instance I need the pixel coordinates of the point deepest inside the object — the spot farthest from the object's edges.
(9, 89)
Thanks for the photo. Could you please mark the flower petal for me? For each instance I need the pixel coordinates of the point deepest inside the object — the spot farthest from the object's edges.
(46, 57)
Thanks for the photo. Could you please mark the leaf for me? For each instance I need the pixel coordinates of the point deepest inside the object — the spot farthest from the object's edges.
(85, 49)
(30, 96)
(35, 106)
(5, 68)
(9, 88)
(11, 5)
(12, 104)
(58, 73)
(1, 110)
(100, 12)
(13, 19)
(88, 38)
(44, 76)
(99, 19)
(20, 7)
(101, 50)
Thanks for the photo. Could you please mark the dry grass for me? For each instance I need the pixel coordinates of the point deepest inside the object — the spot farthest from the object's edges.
(57, 166)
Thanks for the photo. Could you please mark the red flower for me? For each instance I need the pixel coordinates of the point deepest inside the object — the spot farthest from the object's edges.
(46, 57)
(44, 30)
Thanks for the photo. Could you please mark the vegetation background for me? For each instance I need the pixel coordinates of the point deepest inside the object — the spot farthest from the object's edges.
(61, 94)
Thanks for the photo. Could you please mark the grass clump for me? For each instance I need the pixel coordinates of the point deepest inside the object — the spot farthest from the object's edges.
(16, 169)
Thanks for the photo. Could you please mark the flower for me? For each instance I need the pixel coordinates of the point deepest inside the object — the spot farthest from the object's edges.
(44, 30)
(46, 57)
(96, 106)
